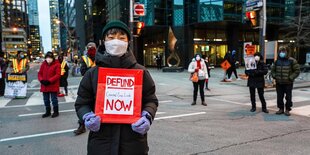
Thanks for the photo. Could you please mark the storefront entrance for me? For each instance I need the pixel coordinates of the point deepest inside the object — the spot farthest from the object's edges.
(215, 52)
(150, 54)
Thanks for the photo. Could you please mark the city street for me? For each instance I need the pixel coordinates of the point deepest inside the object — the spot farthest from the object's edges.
(225, 126)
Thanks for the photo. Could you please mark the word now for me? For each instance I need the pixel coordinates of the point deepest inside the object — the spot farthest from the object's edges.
(118, 105)
(120, 81)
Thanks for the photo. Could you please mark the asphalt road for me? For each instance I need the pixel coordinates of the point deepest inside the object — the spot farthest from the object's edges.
(225, 126)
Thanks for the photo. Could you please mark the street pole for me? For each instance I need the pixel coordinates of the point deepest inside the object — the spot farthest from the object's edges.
(131, 23)
(262, 29)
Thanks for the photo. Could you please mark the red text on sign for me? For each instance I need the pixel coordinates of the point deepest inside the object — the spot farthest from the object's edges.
(118, 105)
(120, 82)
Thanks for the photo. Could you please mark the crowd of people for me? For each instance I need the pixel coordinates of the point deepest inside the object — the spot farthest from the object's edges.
(113, 138)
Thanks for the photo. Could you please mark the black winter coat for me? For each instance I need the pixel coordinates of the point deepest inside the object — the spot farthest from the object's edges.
(115, 138)
(256, 77)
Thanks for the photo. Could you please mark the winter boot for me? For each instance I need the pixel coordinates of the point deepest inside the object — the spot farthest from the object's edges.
(253, 109)
(47, 112)
(81, 129)
(287, 113)
(281, 111)
(56, 112)
(265, 110)
(193, 103)
(204, 103)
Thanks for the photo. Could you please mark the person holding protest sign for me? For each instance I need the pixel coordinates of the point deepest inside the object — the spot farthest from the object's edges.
(64, 75)
(285, 70)
(256, 80)
(49, 76)
(115, 138)
(198, 66)
(2, 73)
(88, 60)
(19, 64)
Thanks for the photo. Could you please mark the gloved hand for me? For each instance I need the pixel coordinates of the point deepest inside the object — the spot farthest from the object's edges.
(92, 122)
(45, 82)
(143, 125)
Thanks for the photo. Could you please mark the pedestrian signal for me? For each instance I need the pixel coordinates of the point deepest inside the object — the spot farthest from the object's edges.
(138, 28)
(253, 17)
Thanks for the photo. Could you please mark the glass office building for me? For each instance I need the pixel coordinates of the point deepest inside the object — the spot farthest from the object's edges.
(209, 27)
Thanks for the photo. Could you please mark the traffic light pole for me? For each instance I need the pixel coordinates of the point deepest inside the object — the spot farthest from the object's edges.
(262, 30)
(131, 23)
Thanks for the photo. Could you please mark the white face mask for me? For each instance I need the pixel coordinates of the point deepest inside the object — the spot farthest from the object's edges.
(49, 60)
(198, 58)
(257, 58)
(116, 47)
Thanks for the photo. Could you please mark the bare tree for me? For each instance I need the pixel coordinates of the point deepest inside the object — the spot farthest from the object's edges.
(297, 28)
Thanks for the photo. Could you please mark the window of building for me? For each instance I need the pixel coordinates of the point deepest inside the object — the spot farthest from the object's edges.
(210, 10)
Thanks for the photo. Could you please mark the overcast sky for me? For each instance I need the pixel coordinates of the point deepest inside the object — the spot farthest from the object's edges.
(45, 26)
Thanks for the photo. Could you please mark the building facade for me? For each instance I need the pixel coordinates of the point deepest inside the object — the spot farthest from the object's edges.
(34, 40)
(54, 18)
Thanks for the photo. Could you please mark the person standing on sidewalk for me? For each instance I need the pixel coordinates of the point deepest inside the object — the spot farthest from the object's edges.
(198, 66)
(64, 75)
(116, 138)
(256, 80)
(233, 68)
(2, 73)
(285, 70)
(88, 60)
(49, 76)
(206, 58)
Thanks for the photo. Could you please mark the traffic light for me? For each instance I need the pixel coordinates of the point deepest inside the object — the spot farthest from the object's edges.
(138, 28)
(253, 17)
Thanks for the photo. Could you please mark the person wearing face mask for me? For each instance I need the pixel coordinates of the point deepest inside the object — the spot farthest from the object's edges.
(88, 60)
(64, 75)
(285, 70)
(256, 80)
(198, 65)
(105, 138)
(49, 76)
(19, 65)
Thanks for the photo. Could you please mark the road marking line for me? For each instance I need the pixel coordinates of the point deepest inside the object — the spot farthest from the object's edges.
(63, 111)
(167, 101)
(22, 106)
(4, 101)
(71, 130)
(183, 115)
(35, 99)
(36, 135)
(40, 113)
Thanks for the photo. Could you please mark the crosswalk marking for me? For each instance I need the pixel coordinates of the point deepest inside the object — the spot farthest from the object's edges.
(35, 99)
(273, 102)
(4, 101)
(303, 110)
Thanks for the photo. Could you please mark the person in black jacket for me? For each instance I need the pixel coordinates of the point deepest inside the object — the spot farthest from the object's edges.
(107, 138)
(64, 75)
(285, 70)
(256, 80)
(3, 66)
(88, 59)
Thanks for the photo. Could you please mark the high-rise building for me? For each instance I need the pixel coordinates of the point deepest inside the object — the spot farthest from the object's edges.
(13, 17)
(55, 32)
(34, 41)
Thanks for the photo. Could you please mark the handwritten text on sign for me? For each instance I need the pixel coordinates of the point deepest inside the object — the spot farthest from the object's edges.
(119, 97)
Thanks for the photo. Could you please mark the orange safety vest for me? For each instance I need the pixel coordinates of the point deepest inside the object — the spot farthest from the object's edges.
(18, 67)
(88, 61)
(63, 65)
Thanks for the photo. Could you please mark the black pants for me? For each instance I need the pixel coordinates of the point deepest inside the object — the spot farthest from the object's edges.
(230, 71)
(2, 86)
(201, 84)
(287, 90)
(261, 97)
(66, 89)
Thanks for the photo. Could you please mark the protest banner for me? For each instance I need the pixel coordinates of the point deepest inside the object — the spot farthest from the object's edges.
(16, 86)
(250, 50)
(119, 95)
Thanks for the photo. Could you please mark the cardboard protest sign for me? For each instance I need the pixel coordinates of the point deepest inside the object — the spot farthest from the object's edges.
(119, 95)
(225, 65)
(250, 50)
(250, 63)
(16, 86)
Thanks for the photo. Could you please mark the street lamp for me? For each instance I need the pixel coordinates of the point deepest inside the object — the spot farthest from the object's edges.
(69, 33)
